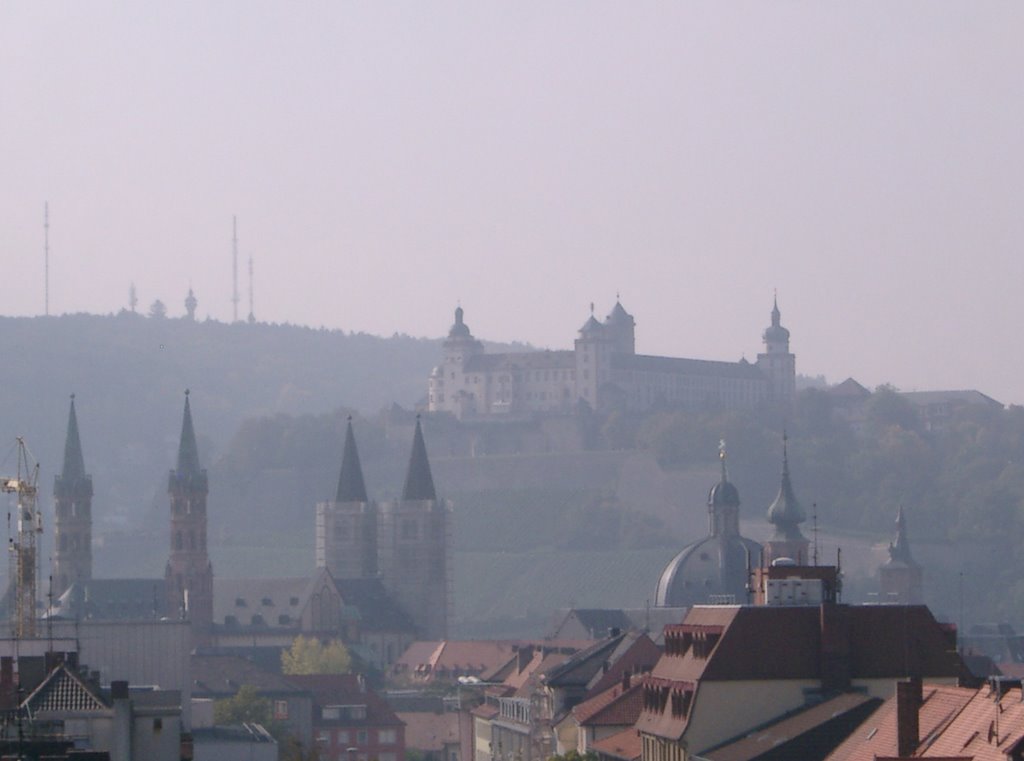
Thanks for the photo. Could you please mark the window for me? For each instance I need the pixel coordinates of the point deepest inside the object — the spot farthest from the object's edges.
(158, 724)
(280, 709)
(323, 737)
(361, 737)
(387, 736)
(342, 736)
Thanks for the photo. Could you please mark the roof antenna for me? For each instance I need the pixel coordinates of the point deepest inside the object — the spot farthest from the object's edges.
(234, 267)
(814, 529)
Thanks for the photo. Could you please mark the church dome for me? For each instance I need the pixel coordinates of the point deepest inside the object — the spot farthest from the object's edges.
(786, 513)
(723, 494)
(715, 565)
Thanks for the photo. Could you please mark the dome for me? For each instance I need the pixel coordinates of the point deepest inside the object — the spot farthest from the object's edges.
(723, 494)
(459, 329)
(715, 565)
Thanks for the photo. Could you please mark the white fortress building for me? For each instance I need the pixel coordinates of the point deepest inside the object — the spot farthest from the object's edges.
(602, 372)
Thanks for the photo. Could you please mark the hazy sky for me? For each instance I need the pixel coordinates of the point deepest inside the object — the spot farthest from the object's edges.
(385, 160)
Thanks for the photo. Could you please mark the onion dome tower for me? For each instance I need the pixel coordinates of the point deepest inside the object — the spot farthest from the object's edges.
(716, 568)
(189, 574)
(786, 514)
(72, 493)
(776, 361)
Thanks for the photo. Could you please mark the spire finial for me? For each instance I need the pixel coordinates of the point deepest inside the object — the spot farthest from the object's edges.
(591, 308)
(74, 462)
(722, 455)
(188, 451)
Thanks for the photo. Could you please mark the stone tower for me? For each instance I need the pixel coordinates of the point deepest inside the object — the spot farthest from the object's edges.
(346, 529)
(786, 514)
(776, 362)
(449, 388)
(593, 350)
(72, 530)
(901, 577)
(621, 329)
(189, 575)
(414, 540)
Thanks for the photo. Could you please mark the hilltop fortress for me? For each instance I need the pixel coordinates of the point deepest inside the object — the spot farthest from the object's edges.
(602, 372)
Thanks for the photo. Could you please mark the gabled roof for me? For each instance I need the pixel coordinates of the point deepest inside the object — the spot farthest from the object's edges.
(581, 667)
(378, 612)
(682, 366)
(625, 745)
(455, 657)
(984, 730)
(419, 483)
(636, 654)
(809, 733)
(876, 735)
(613, 707)
(965, 396)
(278, 603)
(849, 388)
(64, 691)
(597, 622)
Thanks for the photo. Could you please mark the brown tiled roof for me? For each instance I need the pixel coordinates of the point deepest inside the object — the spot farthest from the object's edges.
(806, 734)
(625, 745)
(618, 708)
(469, 657)
(636, 656)
(876, 736)
(980, 731)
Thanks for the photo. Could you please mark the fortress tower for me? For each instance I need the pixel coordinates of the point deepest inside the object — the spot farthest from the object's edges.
(72, 533)
(414, 536)
(189, 574)
(776, 362)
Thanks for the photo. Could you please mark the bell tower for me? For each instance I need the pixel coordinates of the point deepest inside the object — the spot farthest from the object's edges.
(189, 575)
(776, 361)
(72, 494)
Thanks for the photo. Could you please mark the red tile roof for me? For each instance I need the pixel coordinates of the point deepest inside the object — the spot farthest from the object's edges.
(877, 735)
(613, 707)
(625, 745)
(984, 730)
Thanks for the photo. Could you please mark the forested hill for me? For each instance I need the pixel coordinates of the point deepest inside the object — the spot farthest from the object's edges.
(129, 373)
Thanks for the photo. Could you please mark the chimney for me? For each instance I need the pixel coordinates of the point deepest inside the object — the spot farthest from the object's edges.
(835, 647)
(523, 657)
(908, 704)
(119, 689)
(625, 681)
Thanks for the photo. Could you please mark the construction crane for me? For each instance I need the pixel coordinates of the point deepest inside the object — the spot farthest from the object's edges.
(23, 549)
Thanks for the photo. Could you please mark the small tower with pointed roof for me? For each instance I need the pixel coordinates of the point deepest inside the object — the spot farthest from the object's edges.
(776, 361)
(593, 354)
(414, 547)
(786, 515)
(189, 574)
(621, 329)
(902, 580)
(190, 305)
(346, 528)
(72, 534)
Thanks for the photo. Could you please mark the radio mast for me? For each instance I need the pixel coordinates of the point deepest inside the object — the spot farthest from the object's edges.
(234, 267)
(46, 254)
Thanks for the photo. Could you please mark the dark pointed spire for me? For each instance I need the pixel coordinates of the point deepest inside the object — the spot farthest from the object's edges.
(419, 484)
(351, 487)
(899, 550)
(785, 513)
(74, 463)
(188, 452)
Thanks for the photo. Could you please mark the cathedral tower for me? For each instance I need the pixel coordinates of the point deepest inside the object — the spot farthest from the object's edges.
(189, 575)
(786, 514)
(414, 547)
(72, 533)
(776, 362)
(346, 529)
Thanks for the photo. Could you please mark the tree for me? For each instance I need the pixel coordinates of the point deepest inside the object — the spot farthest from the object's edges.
(308, 655)
(157, 309)
(575, 755)
(245, 707)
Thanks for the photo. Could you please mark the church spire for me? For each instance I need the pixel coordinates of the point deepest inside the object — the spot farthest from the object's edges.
(74, 462)
(351, 487)
(419, 483)
(188, 451)
(785, 513)
(899, 550)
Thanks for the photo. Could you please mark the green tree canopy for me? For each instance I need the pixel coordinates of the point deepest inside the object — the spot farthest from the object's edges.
(245, 707)
(308, 655)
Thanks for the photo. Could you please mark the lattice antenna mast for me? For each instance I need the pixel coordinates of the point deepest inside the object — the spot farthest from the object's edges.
(234, 267)
(24, 549)
(252, 314)
(46, 254)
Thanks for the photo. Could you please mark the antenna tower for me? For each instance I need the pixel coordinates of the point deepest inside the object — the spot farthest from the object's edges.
(252, 314)
(24, 555)
(234, 267)
(46, 254)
